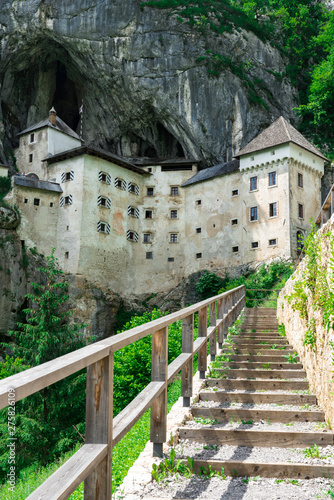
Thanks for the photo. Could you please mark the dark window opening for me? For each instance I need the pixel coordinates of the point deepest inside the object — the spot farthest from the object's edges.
(174, 191)
(253, 183)
(37, 202)
(51, 204)
(235, 192)
(272, 242)
(148, 214)
(103, 177)
(198, 202)
(173, 214)
(32, 138)
(173, 238)
(300, 242)
(198, 256)
(255, 244)
(147, 238)
(300, 211)
(66, 255)
(170, 259)
(234, 222)
(150, 191)
(68, 176)
(25, 200)
(235, 249)
(273, 212)
(253, 214)
(149, 255)
(300, 180)
(272, 178)
(31, 157)
(198, 229)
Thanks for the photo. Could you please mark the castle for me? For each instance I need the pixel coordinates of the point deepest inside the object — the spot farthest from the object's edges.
(139, 225)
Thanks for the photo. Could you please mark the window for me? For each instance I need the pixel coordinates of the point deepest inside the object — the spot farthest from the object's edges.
(198, 203)
(149, 255)
(67, 228)
(253, 184)
(273, 153)
(66, 255)
(235, 249)
(272, 179)
(51, 204)
(132, 236)
(234, 222)
(103, 227)
(252, 158)
(149, 169)
(37, 202)
(103, 202)
(198, 229)
(255, 244)
(235, 192)
(119, 183)
(147, 238)
(273, 242)
(133, 212)
(150, 191)
(300, 211)
(253, 216)
(170, 259)
(25, 200)
(104, 177)
(31, 157)
(174, 191)
(148, 214)
(173, 238)
(273, 209)
(173, 214)
(66, 200)
(300, 180)
(198, 256)
(133, 188)
(67, 176)
(31, 138)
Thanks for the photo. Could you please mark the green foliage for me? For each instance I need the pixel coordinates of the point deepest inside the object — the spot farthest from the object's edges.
(316, 283)
(312, 452)
(291, 358)
(5, 186)
(170, 466)
(49, 422)
(208, 285)
(281, 330)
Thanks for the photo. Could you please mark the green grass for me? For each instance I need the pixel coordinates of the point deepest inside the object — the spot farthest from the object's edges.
(125, 453)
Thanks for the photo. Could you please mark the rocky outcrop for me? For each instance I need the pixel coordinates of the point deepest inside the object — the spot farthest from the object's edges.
(137, 72)
(9, 218)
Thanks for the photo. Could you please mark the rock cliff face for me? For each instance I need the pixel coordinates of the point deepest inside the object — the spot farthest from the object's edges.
(136, 71)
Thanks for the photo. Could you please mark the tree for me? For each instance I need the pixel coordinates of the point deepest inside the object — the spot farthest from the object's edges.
(49, 422)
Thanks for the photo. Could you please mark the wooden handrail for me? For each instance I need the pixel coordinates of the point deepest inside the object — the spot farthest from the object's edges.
(92, 463)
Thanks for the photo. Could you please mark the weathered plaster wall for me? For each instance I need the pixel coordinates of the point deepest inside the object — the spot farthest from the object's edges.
(318, 364)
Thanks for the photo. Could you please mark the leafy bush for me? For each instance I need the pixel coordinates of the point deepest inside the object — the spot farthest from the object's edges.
(5, 186)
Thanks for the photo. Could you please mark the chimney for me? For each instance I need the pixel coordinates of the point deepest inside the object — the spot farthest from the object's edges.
(53, 116)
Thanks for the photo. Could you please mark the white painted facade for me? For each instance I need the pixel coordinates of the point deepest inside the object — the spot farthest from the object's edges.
(156, 232)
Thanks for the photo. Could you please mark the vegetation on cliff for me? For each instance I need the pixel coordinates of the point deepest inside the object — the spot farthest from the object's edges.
(303, 31)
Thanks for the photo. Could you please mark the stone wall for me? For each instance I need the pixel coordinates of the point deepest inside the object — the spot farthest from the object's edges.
(318, 364)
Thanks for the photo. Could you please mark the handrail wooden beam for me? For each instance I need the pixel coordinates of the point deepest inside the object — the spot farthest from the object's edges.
(67, 478)
(176, 366)
(39, 377)
(132, 413)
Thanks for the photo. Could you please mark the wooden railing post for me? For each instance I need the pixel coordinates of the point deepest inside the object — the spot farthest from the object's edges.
(187, 370)
(213, 336)
(221, 305)
(159, 374)
(99, 425)
(202, 332)
(226, 320)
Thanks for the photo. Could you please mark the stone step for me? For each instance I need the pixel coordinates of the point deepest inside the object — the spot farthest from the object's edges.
(260, 374)
(277, 358)
(252, 366)
(259, 397)
(248, 468)
(258, 385)
(251, 437)
(257, 341)
(252, 345)
(276, 415)
(264, 352)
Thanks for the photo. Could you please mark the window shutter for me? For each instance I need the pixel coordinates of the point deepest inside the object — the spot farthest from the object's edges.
(108, 179)
(124, 185)
(137, 190)
(99, 226)
(63, 177)
(129, 210)
(136, 237)
(128, 234)
(108, 203)
(71, 175)
(100, 176)
(61, 201)
(129, 187)
(116, 182)
(99, 200)
(107, 228)
(70, 199)
(137, 213)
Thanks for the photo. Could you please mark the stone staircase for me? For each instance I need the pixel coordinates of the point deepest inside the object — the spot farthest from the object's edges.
(256, 416)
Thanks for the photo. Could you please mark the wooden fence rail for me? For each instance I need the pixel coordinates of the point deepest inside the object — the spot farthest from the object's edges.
(93, 462)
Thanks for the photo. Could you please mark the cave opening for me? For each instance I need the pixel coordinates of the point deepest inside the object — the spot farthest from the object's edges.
(65, 99)
(155, 142)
